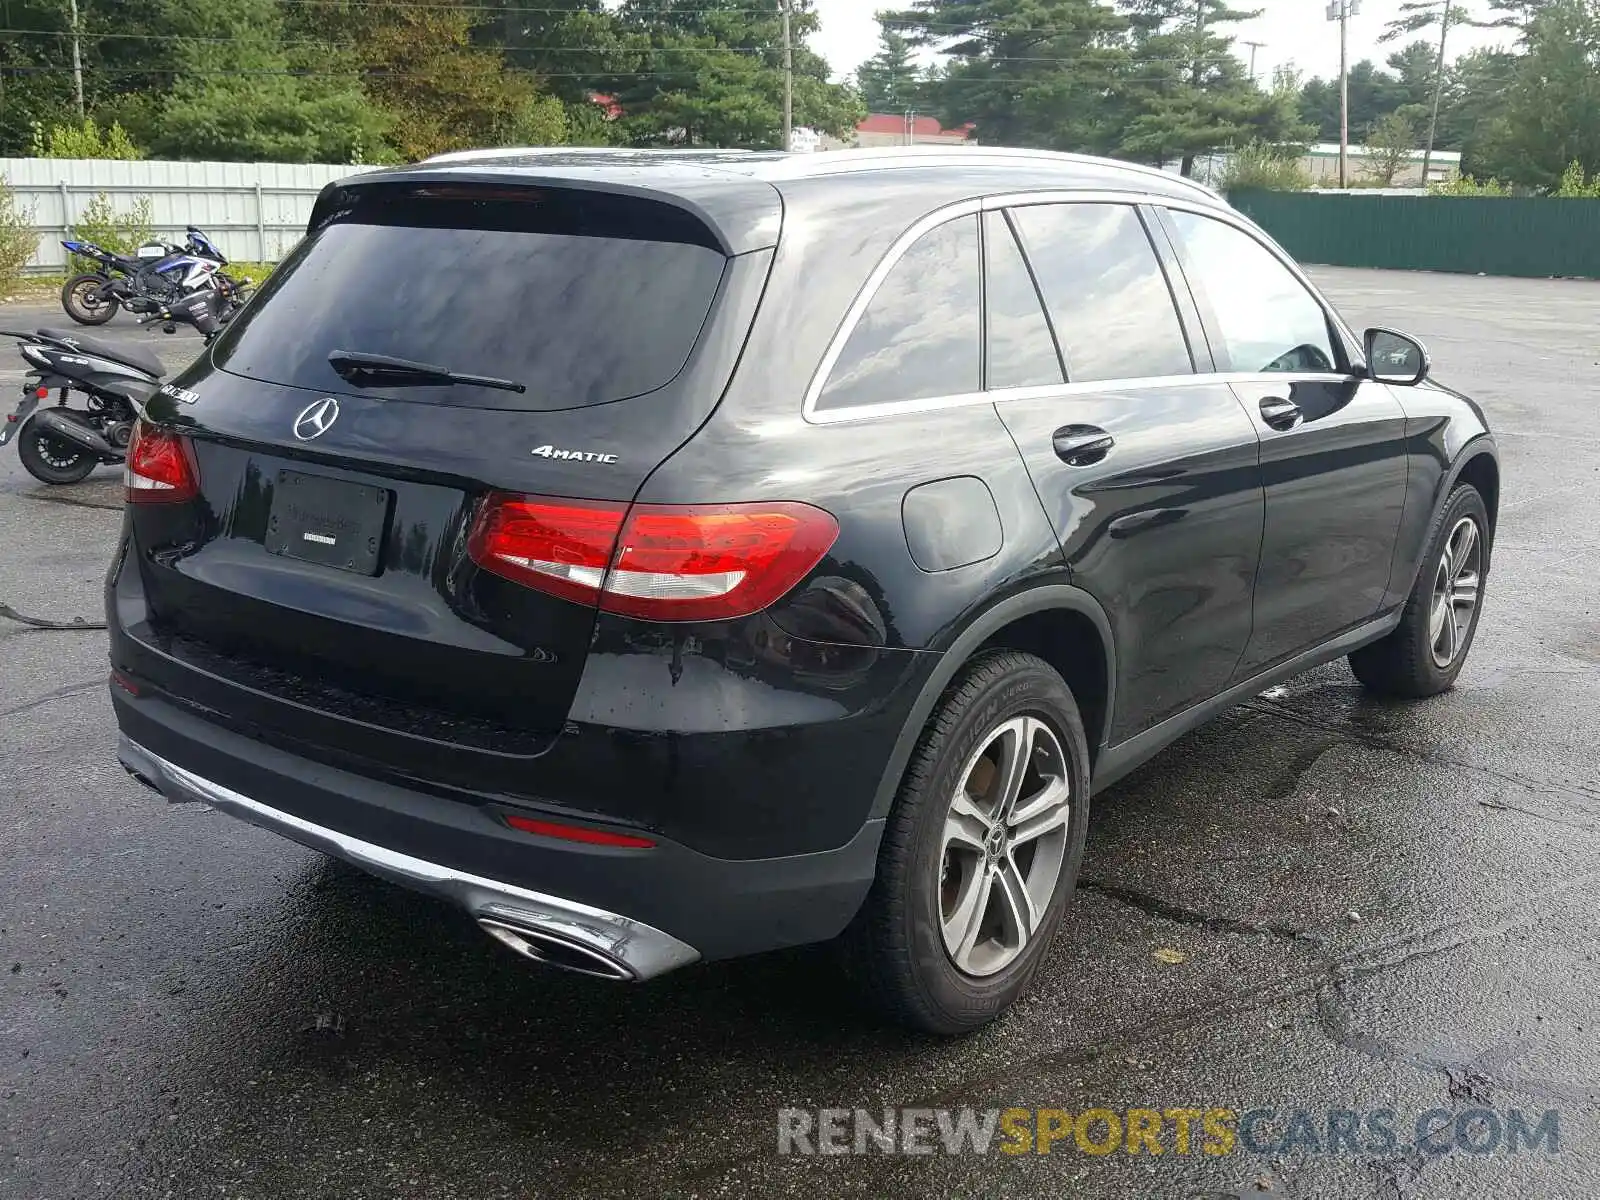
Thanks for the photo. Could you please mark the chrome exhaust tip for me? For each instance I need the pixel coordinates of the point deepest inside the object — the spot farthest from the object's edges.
(550, 950)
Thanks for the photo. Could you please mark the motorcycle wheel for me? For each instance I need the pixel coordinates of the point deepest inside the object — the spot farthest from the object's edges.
(49, 460)
(81, 299)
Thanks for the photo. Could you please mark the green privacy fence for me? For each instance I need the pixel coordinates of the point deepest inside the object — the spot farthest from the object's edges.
(1494, 235)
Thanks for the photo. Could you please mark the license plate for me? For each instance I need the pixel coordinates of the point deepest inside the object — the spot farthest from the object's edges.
(328, 521)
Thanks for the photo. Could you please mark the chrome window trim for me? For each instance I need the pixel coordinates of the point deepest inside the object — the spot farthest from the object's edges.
(1068, 391)
(1022, 199)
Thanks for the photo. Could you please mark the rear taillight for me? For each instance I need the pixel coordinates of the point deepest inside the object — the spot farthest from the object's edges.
(658, 562)
(160, 467)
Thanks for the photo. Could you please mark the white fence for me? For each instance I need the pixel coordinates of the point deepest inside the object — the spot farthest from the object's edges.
(254, 211)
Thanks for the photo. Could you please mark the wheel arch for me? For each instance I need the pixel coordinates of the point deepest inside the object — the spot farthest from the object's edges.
(1059, 623)
(1480, 466)
(1477, 463)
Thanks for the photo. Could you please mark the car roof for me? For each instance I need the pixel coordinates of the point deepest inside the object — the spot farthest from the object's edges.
(741, 194)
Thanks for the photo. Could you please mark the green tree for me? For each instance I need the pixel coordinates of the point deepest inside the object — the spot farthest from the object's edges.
(123, 54)
(1515, 14)
(890, 80)
(1373, 94)
(1552, 105)
(1186, 93)
(1415, 17)
(18, 238)
(1390, 143)
(1026, 72)
(99, 222)
(1474, 120)
(1575, 183)
(239, 95)
(435, 88)
(1413, 68)
(84, 139)
(709, 73)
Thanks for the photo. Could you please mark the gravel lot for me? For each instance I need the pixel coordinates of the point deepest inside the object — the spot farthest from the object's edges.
(1371, 907)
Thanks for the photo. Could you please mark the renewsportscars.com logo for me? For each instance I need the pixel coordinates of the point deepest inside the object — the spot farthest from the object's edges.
(1212, 1132)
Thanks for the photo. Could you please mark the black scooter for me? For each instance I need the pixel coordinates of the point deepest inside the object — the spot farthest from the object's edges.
(63, 445)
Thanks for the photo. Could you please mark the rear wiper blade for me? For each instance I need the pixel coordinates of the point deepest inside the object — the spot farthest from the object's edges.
(356, 365)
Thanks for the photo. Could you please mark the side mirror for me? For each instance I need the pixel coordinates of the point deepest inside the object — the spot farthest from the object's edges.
(1395, 358)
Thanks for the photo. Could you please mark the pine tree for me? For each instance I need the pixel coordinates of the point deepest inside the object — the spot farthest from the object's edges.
(239, 95)
(890, 81)
(1186, 93)
(1033, 73)
(709, 73)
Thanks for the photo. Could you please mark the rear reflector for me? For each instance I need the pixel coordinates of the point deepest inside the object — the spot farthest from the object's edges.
(657, 562)
(579, 833)
(160, 467)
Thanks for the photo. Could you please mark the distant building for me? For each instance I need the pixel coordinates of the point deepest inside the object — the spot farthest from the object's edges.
(1321, 162)
(901, 129)
(606, 104)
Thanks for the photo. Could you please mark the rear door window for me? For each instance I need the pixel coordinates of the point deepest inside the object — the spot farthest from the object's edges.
(1021, 349)
(921, 335)
(582, 298)
(1106, 291)
(1267, 319)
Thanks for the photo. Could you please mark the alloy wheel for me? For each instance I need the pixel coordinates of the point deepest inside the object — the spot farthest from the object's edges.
(1456, 588)
(1005, 839)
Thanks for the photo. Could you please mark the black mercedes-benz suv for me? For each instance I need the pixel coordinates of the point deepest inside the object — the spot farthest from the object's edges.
(668, 557)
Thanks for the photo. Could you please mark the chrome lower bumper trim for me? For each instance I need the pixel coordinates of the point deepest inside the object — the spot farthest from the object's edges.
(641, 950)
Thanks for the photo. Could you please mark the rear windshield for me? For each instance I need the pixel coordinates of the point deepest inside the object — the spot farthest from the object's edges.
(584, 298)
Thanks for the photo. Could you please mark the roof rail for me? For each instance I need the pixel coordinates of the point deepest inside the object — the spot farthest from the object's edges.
(833, 161)
(533, 151)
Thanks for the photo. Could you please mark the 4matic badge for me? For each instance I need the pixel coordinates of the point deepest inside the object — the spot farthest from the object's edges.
(575, 455)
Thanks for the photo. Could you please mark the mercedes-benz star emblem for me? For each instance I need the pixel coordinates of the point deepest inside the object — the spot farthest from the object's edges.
(316, 419)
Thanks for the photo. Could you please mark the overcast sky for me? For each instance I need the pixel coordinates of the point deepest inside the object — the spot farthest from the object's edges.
(1295, 31)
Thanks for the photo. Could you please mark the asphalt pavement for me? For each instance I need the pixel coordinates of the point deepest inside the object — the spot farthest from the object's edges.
(1317, 903)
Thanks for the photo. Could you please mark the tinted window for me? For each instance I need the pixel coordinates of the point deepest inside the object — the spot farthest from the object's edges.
(1267, 319)
(1022, 350)
(584, 301)
(1107, 294)
(921, 334)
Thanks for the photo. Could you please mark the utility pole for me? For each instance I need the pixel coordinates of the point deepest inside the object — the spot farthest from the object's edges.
(1186, 164)
(1341, 11)
(788, 79)
(77, 60)
(1254, 46)
(1438, 86)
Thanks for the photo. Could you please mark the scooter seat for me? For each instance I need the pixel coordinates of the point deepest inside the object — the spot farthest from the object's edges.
(136, 357)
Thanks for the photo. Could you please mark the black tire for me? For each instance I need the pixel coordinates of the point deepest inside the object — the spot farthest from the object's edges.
(896, 948)
(78, 299)
(1405, 663)
(49, 460)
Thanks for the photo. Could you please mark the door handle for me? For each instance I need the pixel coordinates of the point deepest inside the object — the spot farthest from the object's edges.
(1280, 413)
(1081, 445)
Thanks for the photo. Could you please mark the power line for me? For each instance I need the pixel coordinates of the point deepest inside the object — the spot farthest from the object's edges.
(957, 30)
(178, 39)
(356, 71)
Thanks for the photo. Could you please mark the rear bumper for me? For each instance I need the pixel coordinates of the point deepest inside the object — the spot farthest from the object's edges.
(640, 950)
(645, 910)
